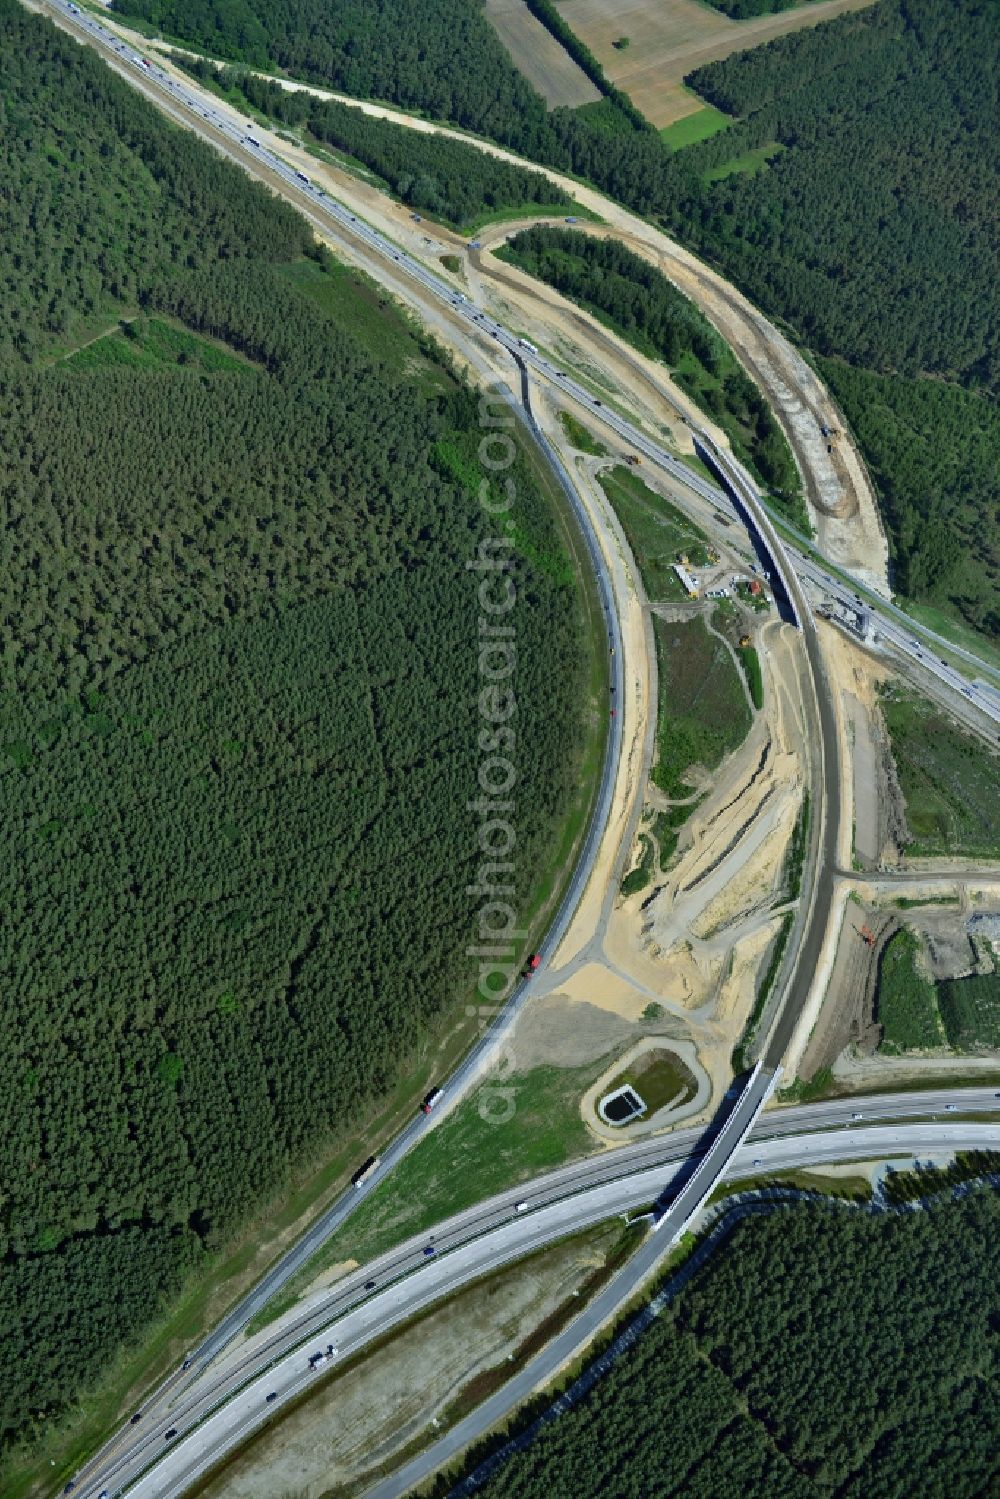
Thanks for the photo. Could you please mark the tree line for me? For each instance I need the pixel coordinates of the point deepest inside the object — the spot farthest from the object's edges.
(639, 301)
(819, 1352)
(442, 177)
(238, 708)
(884, 195)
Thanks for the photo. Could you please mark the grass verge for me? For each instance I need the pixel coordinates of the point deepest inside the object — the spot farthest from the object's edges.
(580, 436)
(359, 305)
(499, 1136)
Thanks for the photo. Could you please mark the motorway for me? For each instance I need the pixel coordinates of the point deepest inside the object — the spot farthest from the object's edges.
(193, 109)
(220, 1412)
(327, 213)
(571, 1197)
(189, 107)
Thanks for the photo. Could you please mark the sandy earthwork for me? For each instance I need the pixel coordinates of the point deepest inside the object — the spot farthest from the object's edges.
(838, 492)
(669, 38)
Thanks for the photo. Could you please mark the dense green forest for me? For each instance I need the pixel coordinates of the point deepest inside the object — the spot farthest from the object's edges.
(970, 1009)
(931, 448)
(872, 229)
(239, 714)
(441, 58)
(638, 300)
(820, 1352)
(905, 1002)
(870, 232)
(442, 177)
(873, 232)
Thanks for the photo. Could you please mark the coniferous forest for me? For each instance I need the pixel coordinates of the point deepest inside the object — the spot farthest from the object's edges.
(636, 299)
(441, 176)
(819, 1352)
(239, 713)
(870, 231)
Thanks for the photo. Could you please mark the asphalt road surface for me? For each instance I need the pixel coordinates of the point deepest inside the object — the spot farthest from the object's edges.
(194, 110)
(207, 1429)
(608, 1182)
(189, 107)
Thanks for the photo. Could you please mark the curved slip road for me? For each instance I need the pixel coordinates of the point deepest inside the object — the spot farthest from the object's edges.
(640, 1171)
(188, 107)
(207, 1430)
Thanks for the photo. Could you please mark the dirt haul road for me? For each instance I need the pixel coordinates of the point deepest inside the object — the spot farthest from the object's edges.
(479, 356)
(839, 495)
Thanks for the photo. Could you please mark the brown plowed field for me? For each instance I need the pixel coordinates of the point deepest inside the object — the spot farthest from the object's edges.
(668, 38)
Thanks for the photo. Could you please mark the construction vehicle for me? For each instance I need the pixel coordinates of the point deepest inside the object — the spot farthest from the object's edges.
(633, 460)
(744, 642)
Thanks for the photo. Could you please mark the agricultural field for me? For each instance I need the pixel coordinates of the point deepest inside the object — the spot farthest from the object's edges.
(970, 1009)
(948, 778)
(656, 530)
(703, 712)
(905, 1002)
(692, 128)
(535, 52)
(668, 38)
(888, 194)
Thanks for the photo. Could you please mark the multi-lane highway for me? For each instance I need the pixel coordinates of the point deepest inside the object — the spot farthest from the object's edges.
(327, 213)
(381, 1292)
(223, 1407)
(188, 106)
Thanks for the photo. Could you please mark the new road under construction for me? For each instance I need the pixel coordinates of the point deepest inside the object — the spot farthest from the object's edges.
(211, 1404)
